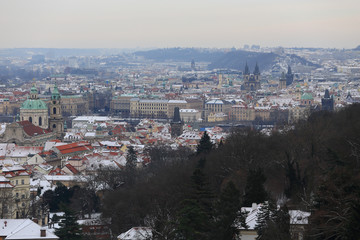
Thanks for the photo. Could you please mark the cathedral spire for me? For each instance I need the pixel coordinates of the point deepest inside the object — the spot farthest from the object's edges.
(246, 72)
(327, 94)
(289, 70)
(257, 70)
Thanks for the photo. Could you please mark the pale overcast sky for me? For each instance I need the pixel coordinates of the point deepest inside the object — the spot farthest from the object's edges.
(182, 23)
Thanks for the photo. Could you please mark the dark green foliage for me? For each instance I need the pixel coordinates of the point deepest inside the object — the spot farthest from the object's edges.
(61, 195)
(296, 162)
(273, 223)
(205, 144)
(227, 214)
(193, 221)
(194, 218)
(131, 159)
(254, 190)
(69, 229)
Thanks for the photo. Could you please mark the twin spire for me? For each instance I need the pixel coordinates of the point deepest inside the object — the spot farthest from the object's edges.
(256, 71)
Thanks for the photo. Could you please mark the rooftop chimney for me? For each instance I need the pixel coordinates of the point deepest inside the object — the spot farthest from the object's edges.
(254, 206)
(42, 232)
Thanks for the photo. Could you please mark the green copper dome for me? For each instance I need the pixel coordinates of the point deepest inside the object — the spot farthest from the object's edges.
(34, 104)
(307, 96)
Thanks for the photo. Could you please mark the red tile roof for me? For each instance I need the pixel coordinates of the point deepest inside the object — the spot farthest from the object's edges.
(32, 130)
(71, 168)
(74, 147)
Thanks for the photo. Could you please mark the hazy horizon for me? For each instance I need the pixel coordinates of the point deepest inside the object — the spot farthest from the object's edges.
(131, 24)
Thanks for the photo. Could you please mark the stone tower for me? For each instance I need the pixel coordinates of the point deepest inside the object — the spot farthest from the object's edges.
(289, 77)
(282, 81)
(56, 121)
(176, 124)
(327, 103)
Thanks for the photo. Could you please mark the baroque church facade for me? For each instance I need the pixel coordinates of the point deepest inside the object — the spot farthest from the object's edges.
(35, 126)
(35, 110)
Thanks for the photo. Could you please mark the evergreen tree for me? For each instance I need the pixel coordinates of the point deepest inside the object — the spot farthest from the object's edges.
(228, 216)
(205, 145)
(69, 228)
(254, 189)
(273, 223)
(131, 159)
(264, 218)
(194, 217)
(192, 221)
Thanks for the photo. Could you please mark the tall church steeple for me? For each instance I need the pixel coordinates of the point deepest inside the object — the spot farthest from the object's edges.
(289, 76)
(257, 70)
(56, 121)
(289, 70)
(246, 71)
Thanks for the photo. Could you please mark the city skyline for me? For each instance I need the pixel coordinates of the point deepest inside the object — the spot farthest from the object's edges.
(159, 23)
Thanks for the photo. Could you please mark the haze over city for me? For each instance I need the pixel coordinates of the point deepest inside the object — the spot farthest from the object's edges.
(159, 23)
(181, 120)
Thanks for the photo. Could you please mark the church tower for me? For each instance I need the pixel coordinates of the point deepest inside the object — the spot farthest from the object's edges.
(34, 110)
(251, 81)
(56, 121)
(289, 77)
(327, 103)
(176, 124)
(246, 73)
(257, 73)
(282, 81)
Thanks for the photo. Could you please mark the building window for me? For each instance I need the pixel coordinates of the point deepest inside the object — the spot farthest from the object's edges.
(40, 121)
(17, 182)
(22, 181)
(30, 119)
(54, 110)
(54, 126)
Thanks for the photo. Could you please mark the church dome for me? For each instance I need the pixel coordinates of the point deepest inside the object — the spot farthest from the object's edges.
(34, 104)
(307, 96)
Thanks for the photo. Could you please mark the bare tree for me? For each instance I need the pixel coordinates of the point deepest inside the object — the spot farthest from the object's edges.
(6, 202)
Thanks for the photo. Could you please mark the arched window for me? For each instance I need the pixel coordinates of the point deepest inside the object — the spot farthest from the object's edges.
(40, 121)
(30, 119)
(54, 110)
(54, 125)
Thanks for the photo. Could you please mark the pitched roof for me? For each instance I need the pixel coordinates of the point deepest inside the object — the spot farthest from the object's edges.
(32, 130)
(74, 147)
(22, 229)
(71, 168)
(136, 233)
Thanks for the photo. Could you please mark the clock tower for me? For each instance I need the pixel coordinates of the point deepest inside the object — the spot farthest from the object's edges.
(56, 121)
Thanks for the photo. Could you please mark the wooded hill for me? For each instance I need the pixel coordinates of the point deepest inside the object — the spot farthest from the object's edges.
(313, 166)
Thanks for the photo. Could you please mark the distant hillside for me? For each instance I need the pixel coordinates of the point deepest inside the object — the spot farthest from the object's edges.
(181, 54)
(357, 48)
(238, 59)
(58, 52)
(220, 59)
(266, 61)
